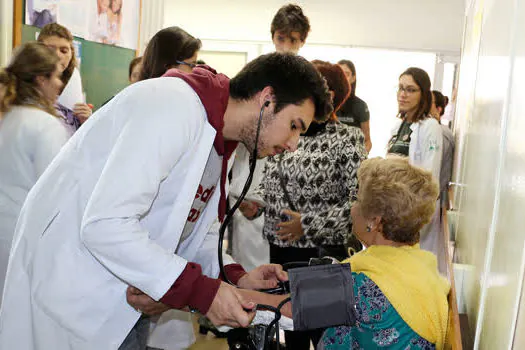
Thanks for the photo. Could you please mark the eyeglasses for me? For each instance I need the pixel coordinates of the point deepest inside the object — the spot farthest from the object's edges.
(191, 65)
(409, 90)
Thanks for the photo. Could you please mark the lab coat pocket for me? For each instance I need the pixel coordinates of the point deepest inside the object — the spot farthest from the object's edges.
(77, 292)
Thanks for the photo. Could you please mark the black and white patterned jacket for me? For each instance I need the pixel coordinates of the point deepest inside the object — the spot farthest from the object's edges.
(321, 179)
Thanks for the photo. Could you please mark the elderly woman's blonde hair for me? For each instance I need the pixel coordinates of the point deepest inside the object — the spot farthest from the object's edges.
(404, 196)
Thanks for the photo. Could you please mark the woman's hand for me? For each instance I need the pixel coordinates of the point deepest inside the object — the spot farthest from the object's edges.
(249, 209)
(82, 111)
(291, 230)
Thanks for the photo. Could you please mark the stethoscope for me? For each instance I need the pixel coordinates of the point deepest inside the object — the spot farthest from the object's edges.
(229, 215)
(283, 287)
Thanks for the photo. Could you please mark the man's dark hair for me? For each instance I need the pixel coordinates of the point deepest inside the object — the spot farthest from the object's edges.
(292, 78)
(440, 101)
(132, 65)
(168, 46)
(290, 18)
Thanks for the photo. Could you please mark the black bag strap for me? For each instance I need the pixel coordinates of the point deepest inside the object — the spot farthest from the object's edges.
(283, 184)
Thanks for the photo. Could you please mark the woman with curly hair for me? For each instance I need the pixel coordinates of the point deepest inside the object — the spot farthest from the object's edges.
(400, 297)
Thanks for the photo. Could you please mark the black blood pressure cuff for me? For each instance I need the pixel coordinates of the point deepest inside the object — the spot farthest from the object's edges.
(322, 296)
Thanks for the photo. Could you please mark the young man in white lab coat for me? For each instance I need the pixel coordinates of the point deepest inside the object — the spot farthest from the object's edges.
(119, 224)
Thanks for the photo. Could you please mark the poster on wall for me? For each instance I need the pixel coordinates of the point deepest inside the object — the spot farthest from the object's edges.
(112, 22)
(69, 13)
(115, 22)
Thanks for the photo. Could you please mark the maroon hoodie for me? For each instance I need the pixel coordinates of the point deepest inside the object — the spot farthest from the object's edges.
(213, 90)
(192, 288)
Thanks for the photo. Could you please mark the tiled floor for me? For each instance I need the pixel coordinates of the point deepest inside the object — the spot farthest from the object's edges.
(207, 342)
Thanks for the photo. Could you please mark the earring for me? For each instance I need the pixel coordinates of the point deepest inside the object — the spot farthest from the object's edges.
(368, 229)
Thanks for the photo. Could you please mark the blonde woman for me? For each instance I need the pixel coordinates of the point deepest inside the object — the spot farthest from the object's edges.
(401, 299)
(31, 134)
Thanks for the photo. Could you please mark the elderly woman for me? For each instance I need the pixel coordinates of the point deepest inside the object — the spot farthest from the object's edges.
(401, 300)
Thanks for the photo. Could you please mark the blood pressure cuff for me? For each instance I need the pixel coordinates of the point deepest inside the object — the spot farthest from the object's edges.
(322, 296)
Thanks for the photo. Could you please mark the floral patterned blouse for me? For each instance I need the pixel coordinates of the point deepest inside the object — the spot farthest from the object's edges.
(378, 326)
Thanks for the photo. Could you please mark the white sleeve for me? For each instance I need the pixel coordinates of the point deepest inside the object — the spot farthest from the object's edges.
(156, 134)
(50, 136)
(431, 143)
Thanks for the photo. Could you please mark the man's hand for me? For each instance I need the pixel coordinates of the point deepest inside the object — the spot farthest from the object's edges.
(228, 308)
(143, 303)
(263, 277)
(290, 230)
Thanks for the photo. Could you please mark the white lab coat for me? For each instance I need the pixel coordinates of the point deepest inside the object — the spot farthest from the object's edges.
(29, 140)
(426, 142)
(249, 247)
(109, 213)
(425, 151)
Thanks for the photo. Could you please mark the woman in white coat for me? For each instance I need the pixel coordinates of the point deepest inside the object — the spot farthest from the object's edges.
(30, 133)
(418, 136)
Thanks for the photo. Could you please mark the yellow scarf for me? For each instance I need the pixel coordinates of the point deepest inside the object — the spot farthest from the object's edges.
(409, 278)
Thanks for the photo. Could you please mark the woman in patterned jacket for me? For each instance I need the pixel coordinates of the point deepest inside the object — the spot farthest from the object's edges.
(308, 192)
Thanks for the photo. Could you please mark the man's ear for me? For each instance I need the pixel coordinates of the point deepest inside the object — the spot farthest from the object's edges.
(266, 96)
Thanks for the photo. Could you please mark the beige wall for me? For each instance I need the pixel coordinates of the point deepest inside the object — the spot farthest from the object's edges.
(491, 169)
(431, 25)
(229, 63)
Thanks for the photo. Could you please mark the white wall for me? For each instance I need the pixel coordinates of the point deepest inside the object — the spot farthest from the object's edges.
(433, 25)
(490, 167)
(151, 21)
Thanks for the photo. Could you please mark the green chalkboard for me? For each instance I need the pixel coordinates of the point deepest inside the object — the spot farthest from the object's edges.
(104, 68)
